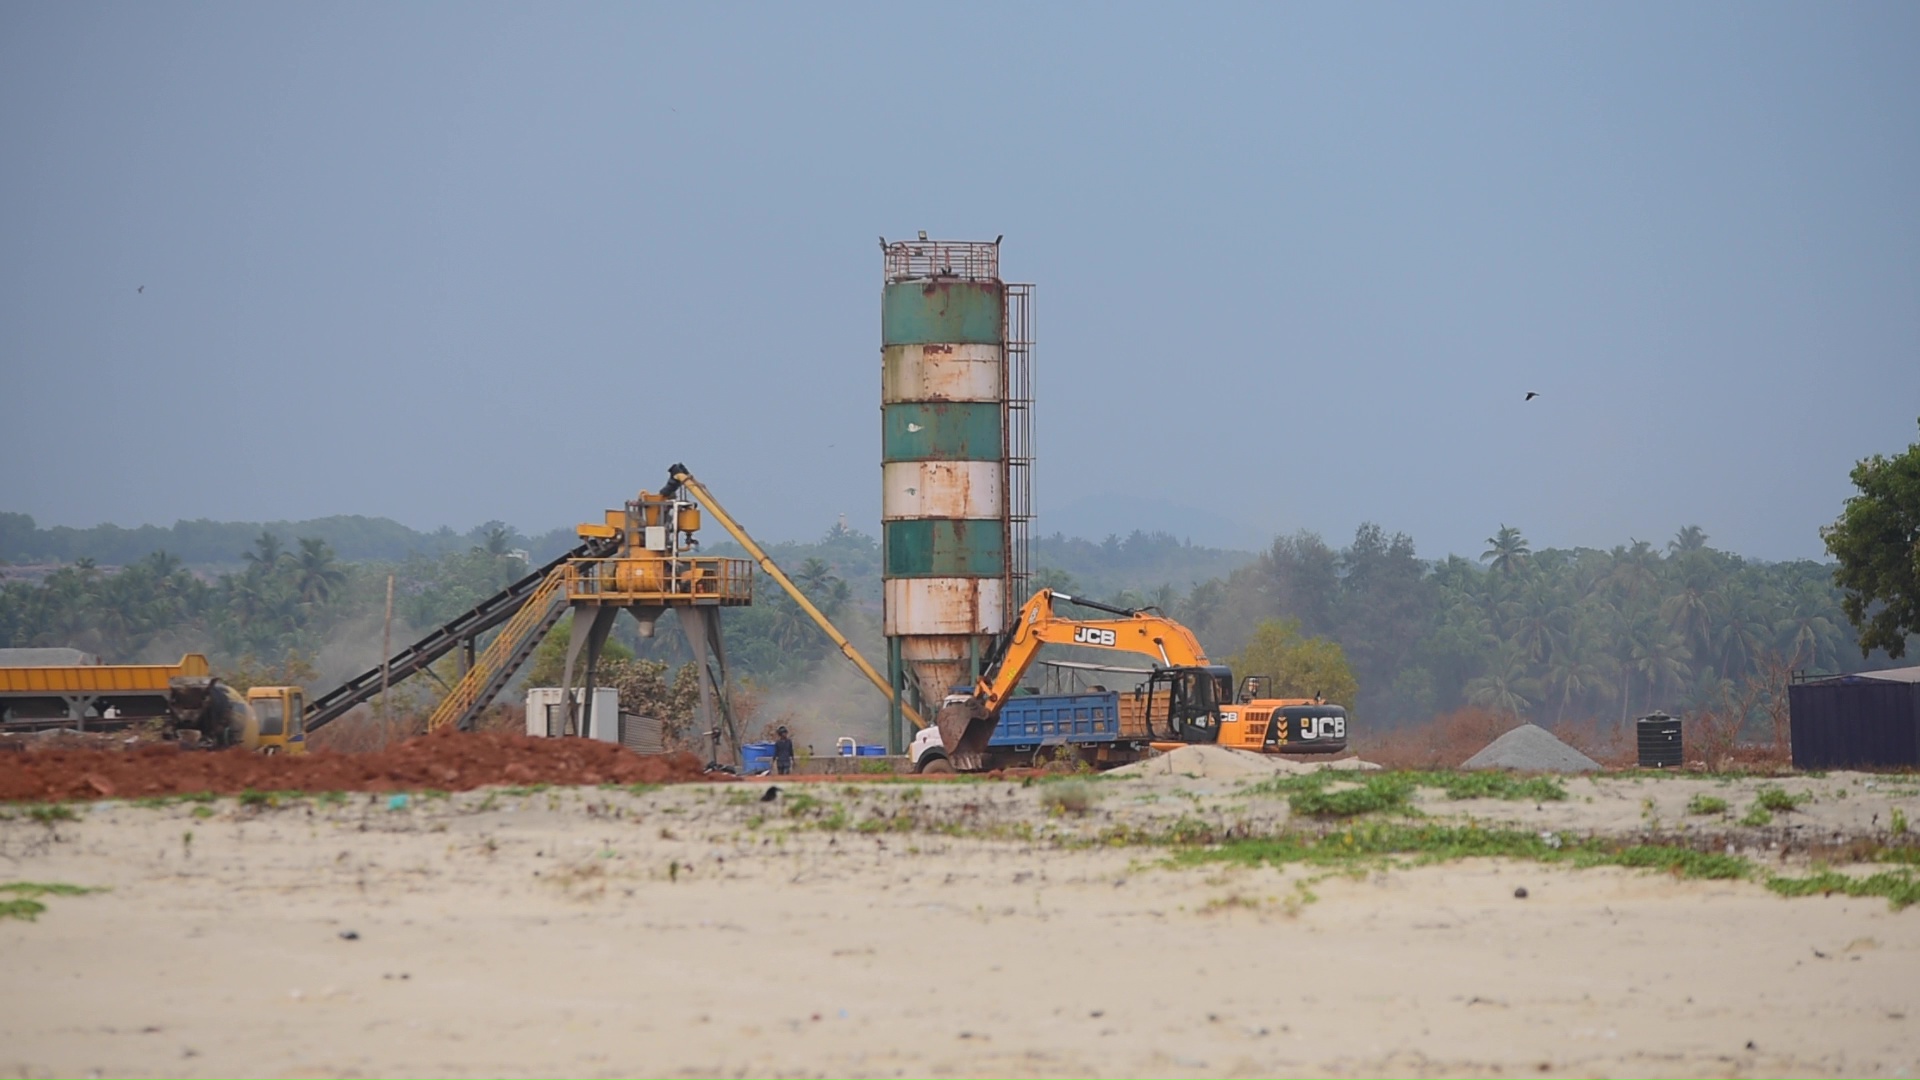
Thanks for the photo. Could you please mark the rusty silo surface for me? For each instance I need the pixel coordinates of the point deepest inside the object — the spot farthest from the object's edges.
(953, 459)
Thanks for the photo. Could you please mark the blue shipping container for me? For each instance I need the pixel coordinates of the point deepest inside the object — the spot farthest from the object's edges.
(1054, 719)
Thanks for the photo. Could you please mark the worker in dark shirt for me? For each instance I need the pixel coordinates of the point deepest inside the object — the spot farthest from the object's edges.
(782, 752)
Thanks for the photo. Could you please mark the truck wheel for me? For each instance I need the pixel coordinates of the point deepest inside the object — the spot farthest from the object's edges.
(937, 767)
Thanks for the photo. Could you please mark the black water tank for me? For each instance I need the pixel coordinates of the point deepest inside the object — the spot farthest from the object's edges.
(1658, 737)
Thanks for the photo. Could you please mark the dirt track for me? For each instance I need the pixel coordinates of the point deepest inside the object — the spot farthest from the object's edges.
(446, 762)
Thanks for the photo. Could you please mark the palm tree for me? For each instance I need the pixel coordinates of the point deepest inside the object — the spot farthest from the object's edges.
(1806, 632)
(1743, 632)
(1660, 658)
(163, 564)
(1695, 609)
(1505, 686)
(1508, 550)
(316, 577)
(498, 539)
(267, 553)
(1690, 538)
(1635, 569)
(1576, 671)
(1538, 616)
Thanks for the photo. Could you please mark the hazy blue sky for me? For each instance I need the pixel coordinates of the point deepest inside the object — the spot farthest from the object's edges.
(1296, 265)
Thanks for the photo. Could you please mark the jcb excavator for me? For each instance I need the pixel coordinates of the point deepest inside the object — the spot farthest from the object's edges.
(1201, 705)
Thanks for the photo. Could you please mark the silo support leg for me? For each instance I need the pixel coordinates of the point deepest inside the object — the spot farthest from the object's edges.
(896, 718)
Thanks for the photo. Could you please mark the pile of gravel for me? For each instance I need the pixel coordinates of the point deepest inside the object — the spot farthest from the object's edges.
(1531, 748)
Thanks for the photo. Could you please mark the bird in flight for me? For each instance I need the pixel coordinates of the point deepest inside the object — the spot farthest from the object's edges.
(1531, 394)
(141, 289)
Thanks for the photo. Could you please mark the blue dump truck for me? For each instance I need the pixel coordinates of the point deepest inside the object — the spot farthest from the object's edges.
(1035, 728)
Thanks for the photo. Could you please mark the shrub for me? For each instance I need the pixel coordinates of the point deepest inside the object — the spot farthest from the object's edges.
(1070, 797)
(1706, 804)
(1777, 801)
(1375, 793)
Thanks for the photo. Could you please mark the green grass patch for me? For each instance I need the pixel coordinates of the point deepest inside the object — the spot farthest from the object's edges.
(1757, 817)
(1898, 887)
(1493, 784)
(21, 908)
(1390, 843)
(1776, 800)
(1392, 792)
(1706, 804)
(1377, 793)
(1679, 861)
(801, 803)
(24, 903)
(49, 813)
(46, 888)
(1904, 855)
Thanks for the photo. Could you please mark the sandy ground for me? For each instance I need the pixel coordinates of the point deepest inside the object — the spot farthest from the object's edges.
(694, 930)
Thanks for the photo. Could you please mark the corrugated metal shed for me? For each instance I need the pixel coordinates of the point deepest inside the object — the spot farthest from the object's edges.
(1869, 719)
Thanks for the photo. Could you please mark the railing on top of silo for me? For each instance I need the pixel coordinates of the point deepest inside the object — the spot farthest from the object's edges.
(965, 260)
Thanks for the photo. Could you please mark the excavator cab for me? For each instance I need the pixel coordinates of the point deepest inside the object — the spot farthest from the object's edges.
(1195, 696)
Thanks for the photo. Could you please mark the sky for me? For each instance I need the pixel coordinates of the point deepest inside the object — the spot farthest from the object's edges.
(1295, 265)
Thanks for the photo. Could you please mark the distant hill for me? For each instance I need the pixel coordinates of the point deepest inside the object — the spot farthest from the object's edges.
(353, 537)
(1140, 562)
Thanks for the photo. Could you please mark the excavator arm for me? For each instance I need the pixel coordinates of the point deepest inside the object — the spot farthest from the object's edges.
(967, 724)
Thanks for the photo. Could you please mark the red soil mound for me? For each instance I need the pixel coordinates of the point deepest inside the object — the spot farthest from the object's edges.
(452, 761)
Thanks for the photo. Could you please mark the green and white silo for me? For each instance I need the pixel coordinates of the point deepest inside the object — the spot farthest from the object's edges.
(955, 398)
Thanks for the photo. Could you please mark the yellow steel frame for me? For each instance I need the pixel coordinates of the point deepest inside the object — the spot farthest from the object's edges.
(685, 580)
(524, 622)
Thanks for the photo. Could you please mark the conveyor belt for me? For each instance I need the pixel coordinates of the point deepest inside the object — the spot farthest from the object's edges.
(484, 616)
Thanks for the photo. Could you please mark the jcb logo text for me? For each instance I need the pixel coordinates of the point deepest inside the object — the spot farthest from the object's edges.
(1092, 635)
(1322, 727)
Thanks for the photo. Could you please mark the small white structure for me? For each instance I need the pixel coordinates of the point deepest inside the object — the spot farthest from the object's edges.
(547, 714)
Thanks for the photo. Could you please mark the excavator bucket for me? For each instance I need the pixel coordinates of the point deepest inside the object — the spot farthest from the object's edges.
(965, 728)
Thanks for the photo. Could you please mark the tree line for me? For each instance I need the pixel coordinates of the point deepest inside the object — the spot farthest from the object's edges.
(351, 537)
(1546, 635)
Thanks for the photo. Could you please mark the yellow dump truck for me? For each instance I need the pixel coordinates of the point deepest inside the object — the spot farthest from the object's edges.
(184, 697)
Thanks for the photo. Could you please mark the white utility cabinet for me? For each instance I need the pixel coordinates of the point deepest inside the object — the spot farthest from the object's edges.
(546, 715)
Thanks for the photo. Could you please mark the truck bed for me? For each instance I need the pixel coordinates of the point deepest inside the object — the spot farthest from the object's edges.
(1057, 719)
